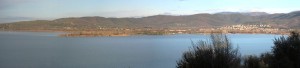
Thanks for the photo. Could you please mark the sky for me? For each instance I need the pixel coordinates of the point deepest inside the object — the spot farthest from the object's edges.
(21, 10)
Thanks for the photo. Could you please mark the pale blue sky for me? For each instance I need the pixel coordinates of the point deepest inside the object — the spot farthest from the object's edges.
(16, 10)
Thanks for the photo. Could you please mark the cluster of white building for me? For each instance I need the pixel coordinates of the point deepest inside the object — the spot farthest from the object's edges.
(245, 27)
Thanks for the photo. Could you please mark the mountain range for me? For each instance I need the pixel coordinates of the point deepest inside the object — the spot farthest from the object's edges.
(203, 20)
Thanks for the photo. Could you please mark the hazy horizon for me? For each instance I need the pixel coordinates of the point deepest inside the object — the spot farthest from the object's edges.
(23, 10)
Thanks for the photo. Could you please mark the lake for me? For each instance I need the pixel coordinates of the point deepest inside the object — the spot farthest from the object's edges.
(47, 50)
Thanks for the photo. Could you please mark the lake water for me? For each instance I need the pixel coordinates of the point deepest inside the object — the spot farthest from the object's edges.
(46, 50)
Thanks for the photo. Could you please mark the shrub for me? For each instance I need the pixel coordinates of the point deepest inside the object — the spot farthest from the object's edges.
(251, 62)
(286, 52)
(257, 62)
(217, 53)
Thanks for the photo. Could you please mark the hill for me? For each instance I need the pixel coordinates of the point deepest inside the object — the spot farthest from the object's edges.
(288, 20)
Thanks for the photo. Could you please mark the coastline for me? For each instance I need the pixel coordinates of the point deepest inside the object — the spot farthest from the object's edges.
(112, 33)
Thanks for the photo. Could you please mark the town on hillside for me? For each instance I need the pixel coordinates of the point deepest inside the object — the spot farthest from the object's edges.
(232, 29)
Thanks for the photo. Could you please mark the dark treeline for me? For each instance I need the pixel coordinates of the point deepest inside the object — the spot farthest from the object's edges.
(219, 53)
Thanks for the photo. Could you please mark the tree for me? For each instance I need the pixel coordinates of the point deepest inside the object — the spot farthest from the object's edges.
(286, 52)
(217, 53)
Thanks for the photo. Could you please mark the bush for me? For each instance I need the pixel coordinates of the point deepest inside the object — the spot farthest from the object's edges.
(257, 62)
(217, 53)
(251, 62)
(286, 52)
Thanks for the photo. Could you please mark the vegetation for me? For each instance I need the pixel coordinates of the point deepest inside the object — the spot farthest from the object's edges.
(148, 32)
(257, 62)
(286, 52)
(252, 62)
(219, 54)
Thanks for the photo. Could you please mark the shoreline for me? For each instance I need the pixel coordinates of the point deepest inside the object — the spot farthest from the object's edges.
(92, 33)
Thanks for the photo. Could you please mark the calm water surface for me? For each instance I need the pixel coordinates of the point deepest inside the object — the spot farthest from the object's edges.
(46, 50)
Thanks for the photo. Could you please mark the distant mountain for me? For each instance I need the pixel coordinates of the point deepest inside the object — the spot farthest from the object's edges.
(289, 15)
(288, 20)
(15, 19)
(255, 13)
(245, 13)
(227, 13)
